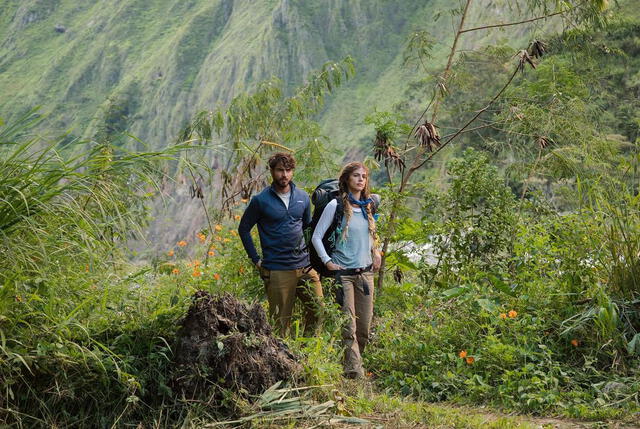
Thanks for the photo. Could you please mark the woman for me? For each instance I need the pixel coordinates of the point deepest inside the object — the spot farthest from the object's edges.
(353, 260)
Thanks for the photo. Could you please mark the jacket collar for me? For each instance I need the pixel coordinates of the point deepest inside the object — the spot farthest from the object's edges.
(291, 185)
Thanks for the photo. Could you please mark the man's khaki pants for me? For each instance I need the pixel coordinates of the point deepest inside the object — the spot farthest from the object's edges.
(283, 286)
(359, 309)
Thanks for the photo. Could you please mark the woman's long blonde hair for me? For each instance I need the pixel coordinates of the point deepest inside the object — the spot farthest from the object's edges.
(343, 181)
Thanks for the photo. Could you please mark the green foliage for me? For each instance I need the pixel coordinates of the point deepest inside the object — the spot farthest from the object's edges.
(516, 311)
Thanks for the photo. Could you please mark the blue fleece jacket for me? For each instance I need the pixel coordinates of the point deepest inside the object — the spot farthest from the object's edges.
(280, 229)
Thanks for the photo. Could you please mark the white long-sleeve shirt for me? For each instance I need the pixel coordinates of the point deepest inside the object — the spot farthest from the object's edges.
(355, 251)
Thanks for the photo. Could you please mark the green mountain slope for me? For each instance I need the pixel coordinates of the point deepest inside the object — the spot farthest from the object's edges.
(159, 61)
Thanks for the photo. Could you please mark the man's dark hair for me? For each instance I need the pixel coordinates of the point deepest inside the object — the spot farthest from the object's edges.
(287, 160)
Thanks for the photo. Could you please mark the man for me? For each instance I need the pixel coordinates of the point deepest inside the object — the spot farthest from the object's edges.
(281, 212)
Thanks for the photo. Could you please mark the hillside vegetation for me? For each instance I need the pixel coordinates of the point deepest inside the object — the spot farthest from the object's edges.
(510, 217)
(147, 67)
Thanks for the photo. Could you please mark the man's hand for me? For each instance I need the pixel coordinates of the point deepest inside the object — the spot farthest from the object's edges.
(333, 267)
(377, 260)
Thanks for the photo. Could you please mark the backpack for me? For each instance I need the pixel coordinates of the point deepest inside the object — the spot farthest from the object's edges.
(326, 191)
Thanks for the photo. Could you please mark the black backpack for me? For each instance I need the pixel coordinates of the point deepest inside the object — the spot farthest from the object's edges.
(326, 191)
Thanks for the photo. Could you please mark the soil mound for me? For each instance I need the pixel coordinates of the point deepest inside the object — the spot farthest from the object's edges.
(224, 342)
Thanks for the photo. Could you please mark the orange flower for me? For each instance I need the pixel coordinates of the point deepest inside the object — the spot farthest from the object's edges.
(513, 313)
(218, 238)
(175, 271)
(575, 342)
(212, 252)
(470, 360)
(237, 217)
(189, 264)
(503, 316)
(196, 273)
(170, 253)
(218, 228)
(196, 263)
(241, 270)
(216, 276)
(234, 233)
(245, 200)
(202, 237)
(463, 354)
(182, 243)
(226, 240)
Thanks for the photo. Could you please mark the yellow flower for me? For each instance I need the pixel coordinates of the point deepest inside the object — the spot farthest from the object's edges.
(463, 354)
(218, 228)
(503, 316)
(513, 314)
(182, 243)
(226, 240)
(234, 233)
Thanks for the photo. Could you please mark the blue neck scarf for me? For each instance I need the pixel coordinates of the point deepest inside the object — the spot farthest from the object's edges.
(360, 204)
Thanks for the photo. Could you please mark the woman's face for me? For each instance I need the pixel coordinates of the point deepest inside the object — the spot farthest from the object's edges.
(357, 180)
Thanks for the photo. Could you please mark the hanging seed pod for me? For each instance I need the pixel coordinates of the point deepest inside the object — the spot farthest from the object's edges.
(537, 49)
(524, 59)
(543, 142)
(381, 146)
(428, 136)
(398, 275)
(196, 191)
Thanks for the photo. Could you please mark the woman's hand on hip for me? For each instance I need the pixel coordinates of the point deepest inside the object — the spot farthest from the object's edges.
(331, 266)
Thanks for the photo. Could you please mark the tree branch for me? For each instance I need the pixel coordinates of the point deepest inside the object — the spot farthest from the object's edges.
(512, 23)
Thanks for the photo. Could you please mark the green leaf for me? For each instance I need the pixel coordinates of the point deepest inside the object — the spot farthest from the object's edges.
(487, 305)
(633, 347)
(499, 284)
(454, 292)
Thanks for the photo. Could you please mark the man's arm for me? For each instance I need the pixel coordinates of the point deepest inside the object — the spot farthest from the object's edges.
(249, 219)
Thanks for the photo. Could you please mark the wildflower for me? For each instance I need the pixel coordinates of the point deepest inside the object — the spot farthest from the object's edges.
(234, 233)
(237, 217)
(216, 276)
(241, 270)
(218, 228)
(182, 243)
(86, 268)
(189, 264)
(463, 354)
(212, 253)
(175, 271)
(226, 240)
(218, 238)
(196, 263)
(245, 200)
(470, 360)
(513, 313)
(202, 237)
(503, 316)
(196, 273)
(575, 342)
(170, 253)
